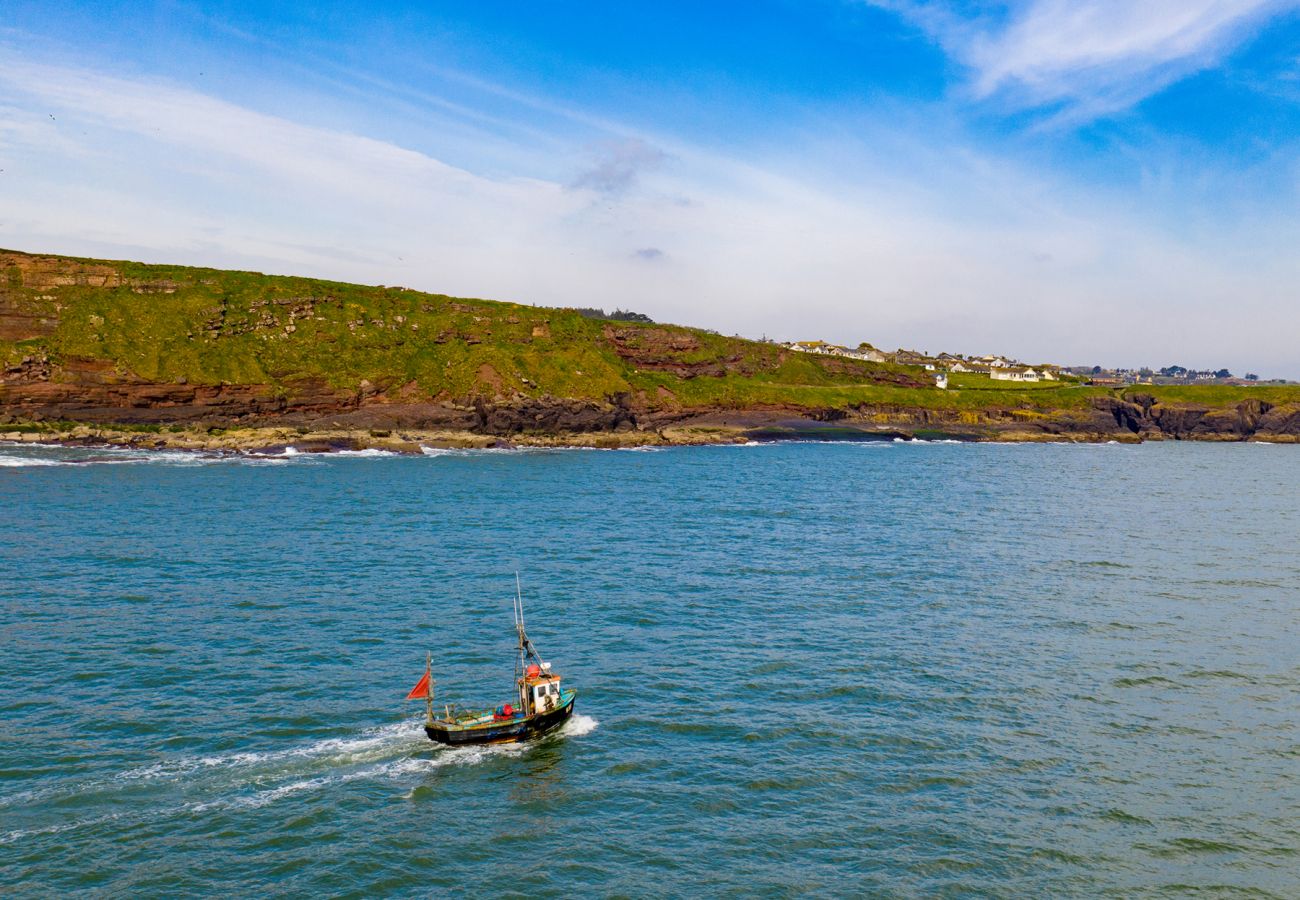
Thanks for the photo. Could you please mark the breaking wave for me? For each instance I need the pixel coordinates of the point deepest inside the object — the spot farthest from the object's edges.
(15, 462)
(578, 726)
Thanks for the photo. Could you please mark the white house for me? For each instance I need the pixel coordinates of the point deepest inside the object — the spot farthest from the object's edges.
(809, 346)
(1014, 375)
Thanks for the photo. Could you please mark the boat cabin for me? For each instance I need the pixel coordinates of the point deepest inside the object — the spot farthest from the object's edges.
(539, 690)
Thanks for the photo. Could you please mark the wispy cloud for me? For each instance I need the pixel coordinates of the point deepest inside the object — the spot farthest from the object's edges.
(618, 164)
(1086, 57)
(913, 240)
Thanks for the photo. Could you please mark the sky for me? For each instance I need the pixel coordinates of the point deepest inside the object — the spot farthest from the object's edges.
(1069, 181)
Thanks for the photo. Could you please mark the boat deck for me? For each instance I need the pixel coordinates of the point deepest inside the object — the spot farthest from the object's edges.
(481, 718)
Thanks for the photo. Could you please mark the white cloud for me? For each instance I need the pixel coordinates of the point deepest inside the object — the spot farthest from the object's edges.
(1089, 57)
(912, 242)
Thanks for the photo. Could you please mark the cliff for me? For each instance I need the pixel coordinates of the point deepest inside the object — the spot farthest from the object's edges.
(126, 351)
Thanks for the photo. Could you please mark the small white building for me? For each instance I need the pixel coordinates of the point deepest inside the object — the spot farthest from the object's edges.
(1014, 375)
(809, 346)
(941, 380)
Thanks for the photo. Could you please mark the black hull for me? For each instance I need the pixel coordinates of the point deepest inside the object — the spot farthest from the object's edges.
(504, 732)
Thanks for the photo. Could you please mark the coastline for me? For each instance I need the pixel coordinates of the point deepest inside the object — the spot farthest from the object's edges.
(709, 430)
(117, 353)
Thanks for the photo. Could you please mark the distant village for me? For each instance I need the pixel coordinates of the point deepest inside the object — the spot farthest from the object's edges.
(999, 368)
(1167, 375)
(1002, 368)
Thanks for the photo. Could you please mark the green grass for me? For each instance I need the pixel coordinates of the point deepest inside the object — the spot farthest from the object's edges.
(1216, 394)
(209, 326)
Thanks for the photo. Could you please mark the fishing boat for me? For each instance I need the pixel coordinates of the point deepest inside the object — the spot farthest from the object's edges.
(543, 703)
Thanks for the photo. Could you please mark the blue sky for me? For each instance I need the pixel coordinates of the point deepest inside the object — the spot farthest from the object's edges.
(1079, 182)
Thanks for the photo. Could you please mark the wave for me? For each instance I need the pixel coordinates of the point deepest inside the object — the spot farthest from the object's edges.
(16, 462)
(53, 455)
(368, 453)
(578, 726)
(931, 441)
(471, 452)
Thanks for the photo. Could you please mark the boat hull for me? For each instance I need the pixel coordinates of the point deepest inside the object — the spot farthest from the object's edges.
(505, 732)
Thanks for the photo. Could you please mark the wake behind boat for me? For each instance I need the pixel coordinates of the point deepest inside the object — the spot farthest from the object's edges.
(543, 704)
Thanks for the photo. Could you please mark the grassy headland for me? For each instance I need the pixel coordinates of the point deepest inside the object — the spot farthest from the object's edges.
(117, 343)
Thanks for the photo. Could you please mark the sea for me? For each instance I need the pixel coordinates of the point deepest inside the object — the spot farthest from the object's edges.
(894, 669)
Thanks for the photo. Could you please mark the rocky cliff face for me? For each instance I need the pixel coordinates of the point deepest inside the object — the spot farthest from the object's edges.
(89, 391)
(1144, 416)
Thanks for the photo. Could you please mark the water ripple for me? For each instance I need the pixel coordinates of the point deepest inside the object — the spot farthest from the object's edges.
(888, 669)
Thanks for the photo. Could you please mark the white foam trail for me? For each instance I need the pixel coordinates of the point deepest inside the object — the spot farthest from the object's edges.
(340, 751)
(393, 770)
(9, 837)
(397, 752)
(394, 738)
(269, 796)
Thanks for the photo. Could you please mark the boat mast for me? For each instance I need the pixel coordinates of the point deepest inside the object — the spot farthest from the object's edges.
(526, 647)
(519, 631)
(519, 619)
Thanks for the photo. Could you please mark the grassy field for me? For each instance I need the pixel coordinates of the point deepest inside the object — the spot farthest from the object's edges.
(1215, 394)
(205, 326)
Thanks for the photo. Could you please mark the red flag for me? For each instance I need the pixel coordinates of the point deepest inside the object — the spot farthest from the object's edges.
(421, 689)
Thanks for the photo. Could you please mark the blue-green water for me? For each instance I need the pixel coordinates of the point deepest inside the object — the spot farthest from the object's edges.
(894, 669)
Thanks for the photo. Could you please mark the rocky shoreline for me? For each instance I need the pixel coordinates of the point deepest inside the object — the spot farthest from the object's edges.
(412, 428)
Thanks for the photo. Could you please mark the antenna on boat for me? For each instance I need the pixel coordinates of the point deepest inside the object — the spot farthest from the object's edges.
(519, 622)
(526, 647)
(519, 599)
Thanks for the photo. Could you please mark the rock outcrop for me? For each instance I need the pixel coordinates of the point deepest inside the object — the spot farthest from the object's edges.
(1144, 416)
